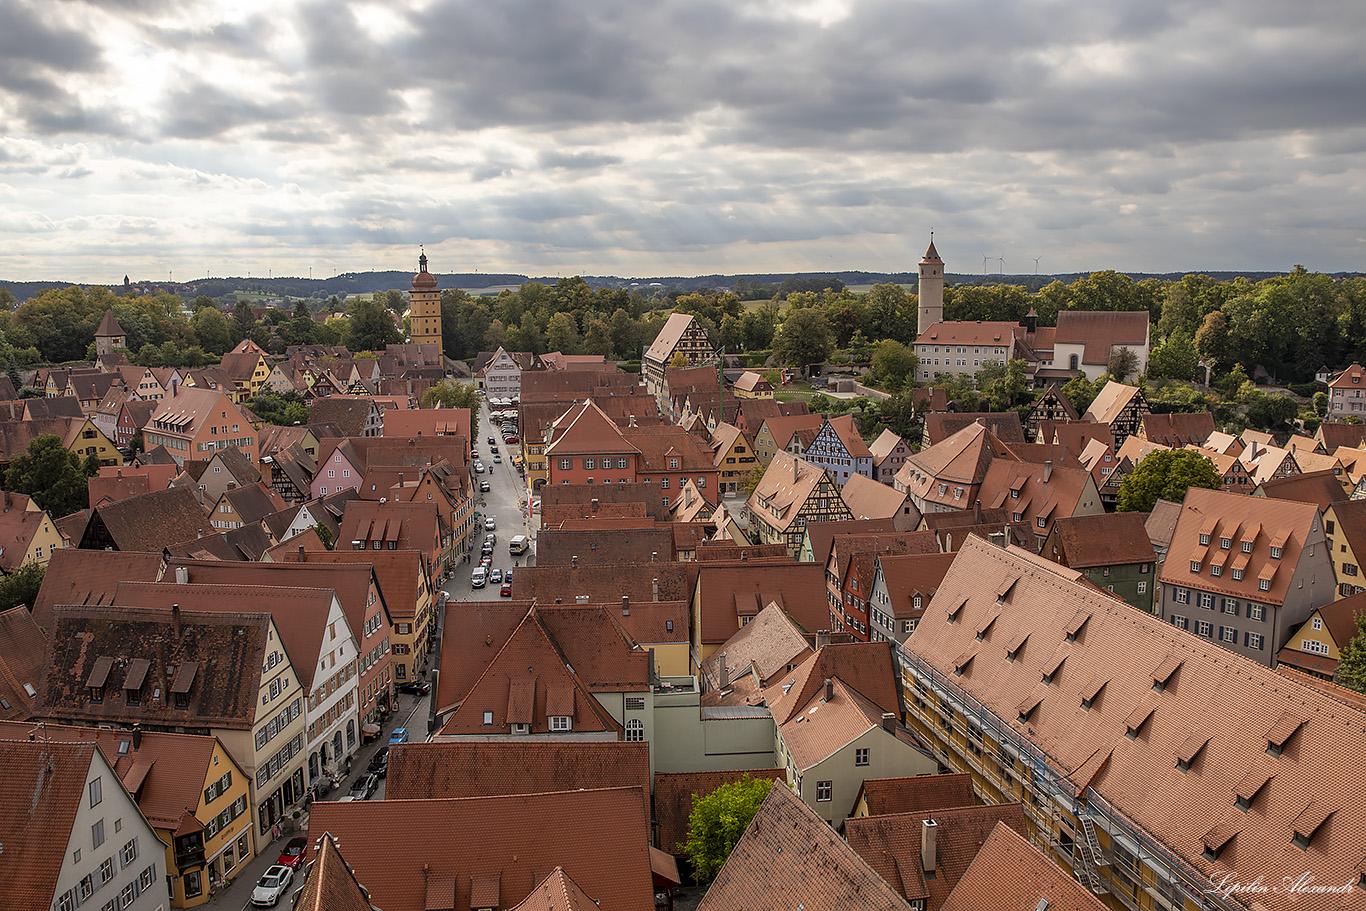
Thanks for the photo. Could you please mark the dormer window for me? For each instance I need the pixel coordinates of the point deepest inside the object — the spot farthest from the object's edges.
(1195, 566)
(1275, 553)
(1204, 538)
(561, 723)
(1225, 543)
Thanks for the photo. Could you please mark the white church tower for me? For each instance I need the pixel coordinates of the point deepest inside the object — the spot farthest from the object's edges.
(931, 289)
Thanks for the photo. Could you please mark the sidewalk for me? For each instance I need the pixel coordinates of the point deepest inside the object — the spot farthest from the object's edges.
(412, 714)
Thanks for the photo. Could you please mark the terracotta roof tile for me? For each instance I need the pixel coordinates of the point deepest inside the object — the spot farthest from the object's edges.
(1100, 331)
(864, 666)
(329, 882)
(445, 768)
(790, 858)
(148, 522)
(601, 583)
(1238, 703)
(868, 499)
(799, 589)
(1107, 539)
(1004, 425)
(917, 793)
(891, 845)
(411, 845)
(21, 664)
(558, 892)
(1010, 874)
(44, 785)
(770, 642)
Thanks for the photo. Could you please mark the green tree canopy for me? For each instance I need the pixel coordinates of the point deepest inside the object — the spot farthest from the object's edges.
(805, 338)
(372, 327)
(1166, 475)
(52, 475)
(453, 394)
(21, 586)
(717, 822)
(893, 363)
(1123, 363)
(1351, 671)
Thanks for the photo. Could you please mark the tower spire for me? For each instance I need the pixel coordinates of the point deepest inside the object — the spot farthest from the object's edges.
(422, 258)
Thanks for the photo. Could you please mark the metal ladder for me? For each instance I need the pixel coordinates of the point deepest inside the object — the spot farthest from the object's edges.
(1090, 857)
(1097, 856)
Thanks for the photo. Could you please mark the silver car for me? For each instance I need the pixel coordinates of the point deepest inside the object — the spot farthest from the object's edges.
(271, 887)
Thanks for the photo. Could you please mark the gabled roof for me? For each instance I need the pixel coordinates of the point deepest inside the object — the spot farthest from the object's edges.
(788, 482)
(89, 577)
(822, 726)
(1334, 435)
(1161, 522)
(1100, 331)
(781, 427)
(1219, 710)
(662, 348)
(884, 445)
(909, 575)
(453, 768)
(1237, 517)
(149, 522)
(1348, 378)
(846, 430)
(1107, 539)
(864, 666)
(1322, 488)
(729, 591)
(300, 614)
(891, 845)
(1010, 874)
(961, 459)
(164, 772)
(350, 414)
(790, 858)
(44, 786)
(869, 499)
(21, 664)
(398, 573)
(423, 854)
(822, 534)
(1004, 425)
(969, 332)
(1059, 495)
(330, 884)
(1112, 399)
(108, 647)
(1176, 429)
(589, 431)
(606, 582)
(917, 793)
(770, 642)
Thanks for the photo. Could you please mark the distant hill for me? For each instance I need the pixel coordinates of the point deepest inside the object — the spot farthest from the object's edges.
(370, 282)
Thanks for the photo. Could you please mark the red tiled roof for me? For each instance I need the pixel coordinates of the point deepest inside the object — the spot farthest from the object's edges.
(864, 666)
(1010, 874)
(21, 664)
(770, 642)
(420, 851)
(1107, 539)
(917, 793)
(1101, 330)
(559, 892)
(790, 858)
(799, 589)
(891, 845)
(89, 577)
(44, 785)
(330, 884)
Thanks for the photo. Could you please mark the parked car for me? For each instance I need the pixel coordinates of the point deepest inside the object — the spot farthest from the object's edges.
(295, 853)
(400, 735)
(272, 887)
(478, 577)
(478, 467)
(506, 590)
(511, 439)
(379, 761)
(486, 561)
(495, 577)
(486, 549)
(415, 687)
(365, 786)
(484, 486)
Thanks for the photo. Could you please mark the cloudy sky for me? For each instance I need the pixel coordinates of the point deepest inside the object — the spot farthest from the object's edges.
(664, 137)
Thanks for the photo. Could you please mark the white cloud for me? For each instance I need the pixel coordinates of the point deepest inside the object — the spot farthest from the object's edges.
(672, 137)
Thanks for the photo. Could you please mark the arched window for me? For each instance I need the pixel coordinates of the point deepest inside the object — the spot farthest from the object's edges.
(635, 731)
(1072, 362)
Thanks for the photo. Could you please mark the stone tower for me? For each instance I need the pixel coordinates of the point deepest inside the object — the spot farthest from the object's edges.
(931, 289)
(109, 335)
(424, 322)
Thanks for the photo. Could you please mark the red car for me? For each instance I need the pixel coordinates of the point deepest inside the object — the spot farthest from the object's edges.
(506, 590)
(295, 854)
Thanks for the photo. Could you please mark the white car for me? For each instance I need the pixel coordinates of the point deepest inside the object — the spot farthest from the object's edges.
(479, 577)
(478, 467)
(272, 887)
(490, 524)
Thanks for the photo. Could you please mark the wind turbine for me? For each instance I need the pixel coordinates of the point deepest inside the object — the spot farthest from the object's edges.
(1036, 264)
(985, 258)
(1001, 264)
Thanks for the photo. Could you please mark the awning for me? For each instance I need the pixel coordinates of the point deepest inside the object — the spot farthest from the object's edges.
(370, 730)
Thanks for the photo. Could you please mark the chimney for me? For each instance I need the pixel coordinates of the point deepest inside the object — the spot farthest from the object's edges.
(829, 690)
(654, 556)
(976, 512)
(796, 472)
(120, 472)
(137, 736)
(654, 586)
(889, 722)
(725, 671)
(928, 843)
(822, 638)
(626, 605)
(182, 575)
(1252, 450)
(302, 557)
(574, 561)
(175, 620)
(594, 504)
(1047, 470)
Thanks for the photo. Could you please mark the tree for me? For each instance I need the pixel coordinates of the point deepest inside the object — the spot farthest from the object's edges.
(717, 822)
(21, 586)
(805, 338)
(1176, 358)
(324, 534)
(1320, 403)
(1211, 342)
(899, 415)
(561, 334)
(242, 320)
(1351, 671)
(213, 330)
(452, 394)
(1166, 475)
(1081, 392)
(1005, 385)
(52, 475)
(372, 327)
(1123, 363)
(753, 480)
(893, 362)
(679, 360)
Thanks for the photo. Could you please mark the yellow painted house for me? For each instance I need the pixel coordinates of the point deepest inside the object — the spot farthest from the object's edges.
(26, 532)
(1344, 527)
(1315, 647)
(191, 792)
(84, 438)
